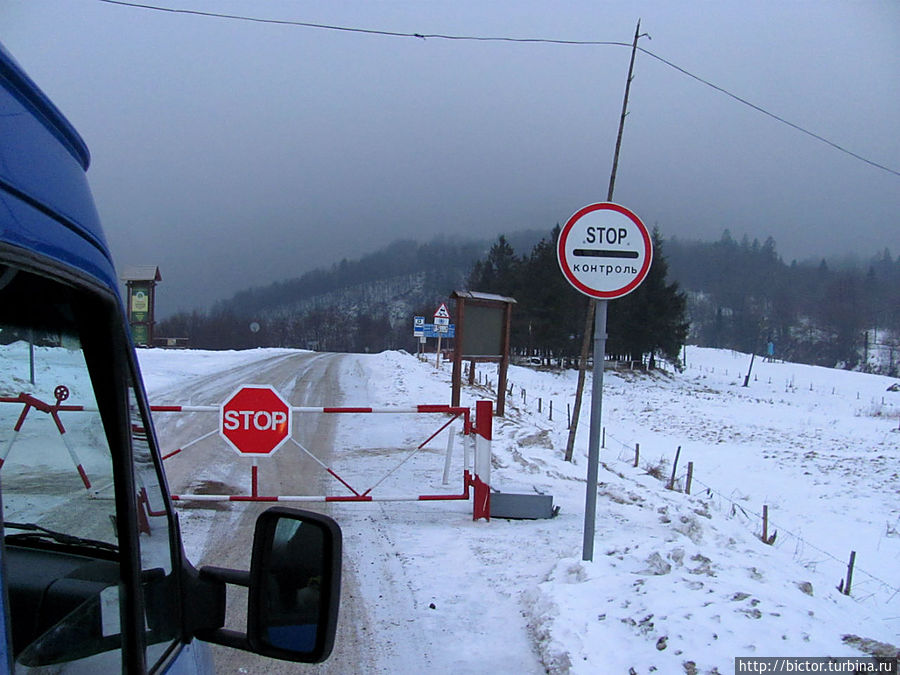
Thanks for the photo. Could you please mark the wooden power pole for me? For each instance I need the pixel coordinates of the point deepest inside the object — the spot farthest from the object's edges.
(592, 303)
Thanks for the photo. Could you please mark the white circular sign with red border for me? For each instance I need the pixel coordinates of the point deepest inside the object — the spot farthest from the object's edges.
(604, 251)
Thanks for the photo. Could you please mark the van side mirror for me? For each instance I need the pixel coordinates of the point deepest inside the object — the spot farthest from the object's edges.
(295, 581)
(294, 587)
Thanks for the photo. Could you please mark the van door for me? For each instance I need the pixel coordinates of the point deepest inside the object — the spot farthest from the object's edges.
(90, 541)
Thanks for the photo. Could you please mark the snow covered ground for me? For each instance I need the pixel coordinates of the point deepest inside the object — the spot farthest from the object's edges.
(678, 583)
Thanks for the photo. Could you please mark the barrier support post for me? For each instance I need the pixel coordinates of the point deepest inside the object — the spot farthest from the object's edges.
(445, 479)
(484, 417)
(62, 393)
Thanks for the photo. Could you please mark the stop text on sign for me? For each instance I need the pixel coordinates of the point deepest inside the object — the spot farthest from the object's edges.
(261, 420)
(610, 235)
(255, 420)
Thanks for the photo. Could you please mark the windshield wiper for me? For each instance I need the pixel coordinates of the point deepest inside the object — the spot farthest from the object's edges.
(38, 533)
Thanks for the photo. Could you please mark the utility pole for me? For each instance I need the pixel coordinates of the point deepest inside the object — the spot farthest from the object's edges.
(591, 315)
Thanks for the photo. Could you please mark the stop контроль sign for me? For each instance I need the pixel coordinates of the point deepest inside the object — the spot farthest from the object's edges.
(604, 251)
(255, 420)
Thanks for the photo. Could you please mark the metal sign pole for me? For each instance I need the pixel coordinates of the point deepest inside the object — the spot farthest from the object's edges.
(604, 251)
(590, 501)
(31, 355)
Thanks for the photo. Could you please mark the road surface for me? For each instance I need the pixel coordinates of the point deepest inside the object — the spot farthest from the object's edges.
(226, 529)
(387, 621)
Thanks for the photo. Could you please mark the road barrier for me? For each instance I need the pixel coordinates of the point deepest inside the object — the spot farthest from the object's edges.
(477, 434)
(53, 409)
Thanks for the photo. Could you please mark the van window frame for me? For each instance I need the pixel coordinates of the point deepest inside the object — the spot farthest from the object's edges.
(114, 372)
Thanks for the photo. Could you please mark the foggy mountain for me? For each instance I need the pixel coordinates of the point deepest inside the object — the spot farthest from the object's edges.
(401, 277)
(365, 304)
(739, 295)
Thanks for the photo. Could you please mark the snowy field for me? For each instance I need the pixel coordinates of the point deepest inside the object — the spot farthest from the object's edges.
(679, 583)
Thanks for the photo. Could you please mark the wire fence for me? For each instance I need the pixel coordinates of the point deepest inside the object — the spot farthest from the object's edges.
(877, 405)
(866, 586)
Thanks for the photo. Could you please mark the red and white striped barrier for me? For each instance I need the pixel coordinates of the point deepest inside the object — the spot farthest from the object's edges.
(478, 480)
(436, 408)
(30, 402)
(482, 445)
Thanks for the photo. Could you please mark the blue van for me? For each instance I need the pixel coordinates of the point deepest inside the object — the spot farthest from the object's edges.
(93, 575)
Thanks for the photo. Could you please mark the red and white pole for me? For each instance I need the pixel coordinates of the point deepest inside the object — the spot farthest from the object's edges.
(15, 434)
(484, 420)
(62, 393)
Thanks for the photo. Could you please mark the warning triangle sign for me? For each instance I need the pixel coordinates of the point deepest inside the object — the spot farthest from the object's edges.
(442, 312)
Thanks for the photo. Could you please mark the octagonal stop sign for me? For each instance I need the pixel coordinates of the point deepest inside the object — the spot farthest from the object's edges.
(255, 420)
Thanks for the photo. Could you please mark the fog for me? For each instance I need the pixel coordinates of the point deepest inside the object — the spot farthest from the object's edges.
(234, 153)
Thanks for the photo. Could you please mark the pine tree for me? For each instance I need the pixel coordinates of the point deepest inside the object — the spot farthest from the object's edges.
(498, 273)
(651, 319)
(549, 310)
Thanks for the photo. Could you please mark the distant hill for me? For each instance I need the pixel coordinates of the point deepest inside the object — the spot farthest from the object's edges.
(355, 304)
(398, 278)
(740, 295)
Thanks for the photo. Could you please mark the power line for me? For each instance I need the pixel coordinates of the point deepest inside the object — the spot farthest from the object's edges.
(365, 31)
(766, 112)
(483, 38)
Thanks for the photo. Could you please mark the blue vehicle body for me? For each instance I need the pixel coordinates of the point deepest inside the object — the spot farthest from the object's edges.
(93, 575)
(42, 175)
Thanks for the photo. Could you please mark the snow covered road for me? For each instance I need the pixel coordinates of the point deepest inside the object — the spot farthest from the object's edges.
(679, 583)
(393, 618)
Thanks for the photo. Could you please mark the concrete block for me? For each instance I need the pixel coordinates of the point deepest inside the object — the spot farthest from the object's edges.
(521, 506)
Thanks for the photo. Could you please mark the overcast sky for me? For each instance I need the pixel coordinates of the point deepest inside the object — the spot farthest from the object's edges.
(234, 153)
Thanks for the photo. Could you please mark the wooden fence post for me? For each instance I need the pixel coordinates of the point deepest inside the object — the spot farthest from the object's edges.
(690, 477)
(846, 586)
(637, 454)
(671, 485)
(766, 539)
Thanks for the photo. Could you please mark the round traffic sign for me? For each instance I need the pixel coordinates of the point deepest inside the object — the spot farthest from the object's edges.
(604, 251)
(255, 420)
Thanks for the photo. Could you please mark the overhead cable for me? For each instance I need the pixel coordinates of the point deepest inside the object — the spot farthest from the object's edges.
(484, 38)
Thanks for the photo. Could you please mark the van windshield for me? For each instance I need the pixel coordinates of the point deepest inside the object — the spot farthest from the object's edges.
(61, 553)
(55, 463)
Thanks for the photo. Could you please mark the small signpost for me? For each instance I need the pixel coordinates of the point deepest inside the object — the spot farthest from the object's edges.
(605, 252)
(419, 332)
(441, 326)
